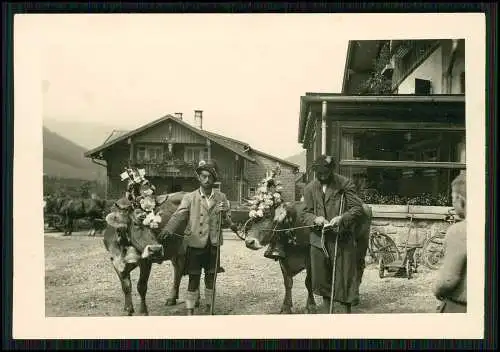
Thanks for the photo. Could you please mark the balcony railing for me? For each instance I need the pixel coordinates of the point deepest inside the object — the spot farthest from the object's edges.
(168, 168)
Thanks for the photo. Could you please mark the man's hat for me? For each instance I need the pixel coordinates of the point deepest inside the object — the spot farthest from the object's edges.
(324, 163)
(208, 165)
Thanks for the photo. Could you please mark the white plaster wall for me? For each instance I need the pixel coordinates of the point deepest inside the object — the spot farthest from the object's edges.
(431, 69)
(458, 68)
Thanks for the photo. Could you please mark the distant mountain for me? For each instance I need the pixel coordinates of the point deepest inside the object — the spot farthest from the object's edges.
(299, 159)
(63, 158)
(87, 134)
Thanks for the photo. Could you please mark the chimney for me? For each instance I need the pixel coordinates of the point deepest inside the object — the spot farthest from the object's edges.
(198, 119)
(178, 115)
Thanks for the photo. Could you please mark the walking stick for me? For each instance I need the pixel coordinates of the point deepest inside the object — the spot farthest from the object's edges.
(216, 262)
(334, 264)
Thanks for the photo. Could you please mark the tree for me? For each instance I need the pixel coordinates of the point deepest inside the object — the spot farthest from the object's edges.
(377, 83)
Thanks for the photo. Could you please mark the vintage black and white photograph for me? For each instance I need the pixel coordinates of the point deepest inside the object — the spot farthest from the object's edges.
(236, 165)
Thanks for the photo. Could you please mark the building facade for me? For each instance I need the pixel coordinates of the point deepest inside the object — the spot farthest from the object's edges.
(169, 149)
(402, 146)
(420, 67)
(397, 130)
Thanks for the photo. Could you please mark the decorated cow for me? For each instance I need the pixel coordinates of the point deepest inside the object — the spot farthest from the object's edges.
(131, 237)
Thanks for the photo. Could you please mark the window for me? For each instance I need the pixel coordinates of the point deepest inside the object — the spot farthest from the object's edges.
(155, 153)
(422, 86)
(217, 185)
(141, 153)
(400, 166)
(152, 153)
(195, 153)
(251, 192)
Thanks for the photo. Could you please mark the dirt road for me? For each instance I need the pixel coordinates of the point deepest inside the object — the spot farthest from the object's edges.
(80, 281)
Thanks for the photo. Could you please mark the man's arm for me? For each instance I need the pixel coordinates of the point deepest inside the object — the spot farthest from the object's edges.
(308, 215)
(179, 218)
(454, 260)
(353, 206)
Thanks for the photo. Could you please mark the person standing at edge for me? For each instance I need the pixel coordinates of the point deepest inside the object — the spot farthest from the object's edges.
(322, 198)
(200, 210)
(451, 284)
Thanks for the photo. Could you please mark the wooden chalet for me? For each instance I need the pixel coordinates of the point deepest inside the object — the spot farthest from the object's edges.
(169, 148)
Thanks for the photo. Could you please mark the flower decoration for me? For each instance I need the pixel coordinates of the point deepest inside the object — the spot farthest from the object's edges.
(268, 196)
(148, 204)
(141, 194)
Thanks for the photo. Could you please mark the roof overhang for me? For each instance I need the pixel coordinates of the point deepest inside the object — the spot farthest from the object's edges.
(359, 60)
(96, 153)
(311, 104)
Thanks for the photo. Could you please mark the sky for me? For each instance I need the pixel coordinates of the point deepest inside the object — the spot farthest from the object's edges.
(246, 72)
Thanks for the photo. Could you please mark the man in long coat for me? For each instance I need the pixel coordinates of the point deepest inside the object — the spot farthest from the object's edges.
(198, 217)
(322, 198)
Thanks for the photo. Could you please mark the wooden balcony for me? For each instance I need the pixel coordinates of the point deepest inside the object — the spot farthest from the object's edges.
(167, 168)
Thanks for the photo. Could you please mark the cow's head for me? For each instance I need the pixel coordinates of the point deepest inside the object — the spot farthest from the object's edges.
(262, 229)
(266, 212)
(153, 249)
(121, 219)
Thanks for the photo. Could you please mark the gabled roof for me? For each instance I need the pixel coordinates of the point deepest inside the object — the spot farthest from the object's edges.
(123, 135)
(245, 146)
(237, 147)
(115, 134)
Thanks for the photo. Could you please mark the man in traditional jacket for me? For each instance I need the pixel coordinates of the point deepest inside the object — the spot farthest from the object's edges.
(451, 284)
(322, 198)
(199, 213)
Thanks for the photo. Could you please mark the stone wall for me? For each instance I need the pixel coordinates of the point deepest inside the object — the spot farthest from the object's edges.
(394, 221)
(399, 229)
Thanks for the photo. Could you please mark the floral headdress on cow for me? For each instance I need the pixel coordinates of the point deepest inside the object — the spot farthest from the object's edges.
(140, 192)
(268, 195)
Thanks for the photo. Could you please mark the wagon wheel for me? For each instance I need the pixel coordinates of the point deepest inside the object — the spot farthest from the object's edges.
(408, 269)
(242, 230)
(433, 251)
(381, 268)
(384, 247)
(416, 259)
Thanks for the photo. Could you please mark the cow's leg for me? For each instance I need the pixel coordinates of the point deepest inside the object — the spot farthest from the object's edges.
(142, 284)
(124, 277)
(286, 307)
(311, 303)
(71, 225)
(67, 225)
(173, 295)
(92, 227)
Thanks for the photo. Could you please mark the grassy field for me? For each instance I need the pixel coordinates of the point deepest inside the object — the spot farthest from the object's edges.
(80, 281)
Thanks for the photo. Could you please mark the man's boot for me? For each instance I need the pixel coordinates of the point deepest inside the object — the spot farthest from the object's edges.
(191, 298)
(208, 299)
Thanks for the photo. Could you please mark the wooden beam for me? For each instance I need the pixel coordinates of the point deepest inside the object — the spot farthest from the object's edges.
(400, 125)
(403, 164)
